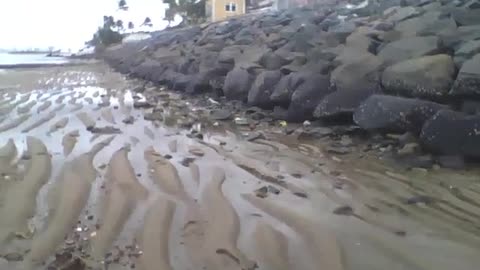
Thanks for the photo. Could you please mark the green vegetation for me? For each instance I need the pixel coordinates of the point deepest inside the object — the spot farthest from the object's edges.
(192, 12)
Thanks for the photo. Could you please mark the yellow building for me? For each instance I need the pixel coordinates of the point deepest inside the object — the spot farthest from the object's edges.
(219, 10)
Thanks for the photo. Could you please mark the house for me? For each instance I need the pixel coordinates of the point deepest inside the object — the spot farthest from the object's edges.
(218, 10)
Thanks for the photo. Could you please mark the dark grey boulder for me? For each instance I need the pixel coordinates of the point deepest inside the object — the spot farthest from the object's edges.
(408, 48)
(272, 61)
(262, 88)
(465, 16)
(205, 80)
(342, 103)
(283, 91)
(427, 76)
(307, 96)
(468, 79)
(398, 14)
(471, 107)
(356, 66)
(237, 84)
(342, 30)
(433, 23)
(395, 114)
(455, 162)
(466, 51)
(228, 27)
(452, 133)
(463, 34)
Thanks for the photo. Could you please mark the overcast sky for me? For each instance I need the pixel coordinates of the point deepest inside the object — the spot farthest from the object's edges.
(66, 23)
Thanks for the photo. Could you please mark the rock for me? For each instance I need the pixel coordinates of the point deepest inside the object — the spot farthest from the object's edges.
(363, 67)
(460, 36)
(129, 120)
(471, 107)
(105, 130)
(196, 151)
(187, 161)
(228, 27)
(468, 79)
(395, 114)
(273, 190)
(343, 210)
(241, 121)
(142, 104)
(221, 114)
(408, 48)
(262, 192)
(339, 150)
(262, 88)
(415, 161)
(430, 23)
(451, 162)
(13, 257)
(452, 133)
(272, 61)
(307, 96)
(419, 199)
(342, 30)
(316, 132)
(237, 84)
(427, 76)
(466, 16)
(466, 51)
(408, 149)
(283, 91)
(342, 103)
(398, 14)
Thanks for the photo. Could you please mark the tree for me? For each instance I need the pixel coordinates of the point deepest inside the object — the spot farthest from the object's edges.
(131, 25)
(192, 12)
(119, 25)
(108, 22)
(147, 22)
(122, 4)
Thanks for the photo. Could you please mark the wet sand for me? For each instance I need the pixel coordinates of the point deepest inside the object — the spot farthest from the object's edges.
(87, 181)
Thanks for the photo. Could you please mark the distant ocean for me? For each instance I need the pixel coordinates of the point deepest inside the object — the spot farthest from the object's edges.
(7, 59)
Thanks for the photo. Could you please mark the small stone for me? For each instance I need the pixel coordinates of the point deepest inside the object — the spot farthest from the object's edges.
(104, 130)
(255, 136)
(13, 257)
(419, 199)
(167, 156)
(343, 211)
(186, 161)
(297, 175)
(129, 120)
(339, 150)
(273, 190)
(401, 233)
(300, 194)
(262, 192)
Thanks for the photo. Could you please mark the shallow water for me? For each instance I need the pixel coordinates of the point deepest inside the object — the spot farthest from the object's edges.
(117, 200)
(16, 59)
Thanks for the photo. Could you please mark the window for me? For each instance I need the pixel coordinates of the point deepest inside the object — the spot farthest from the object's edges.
(231, 7)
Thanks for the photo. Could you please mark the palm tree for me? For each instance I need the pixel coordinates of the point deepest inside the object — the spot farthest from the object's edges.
(147, 22)
(122, 4)
(119, 25)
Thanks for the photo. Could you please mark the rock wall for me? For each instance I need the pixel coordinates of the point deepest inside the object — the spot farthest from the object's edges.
(387, 65)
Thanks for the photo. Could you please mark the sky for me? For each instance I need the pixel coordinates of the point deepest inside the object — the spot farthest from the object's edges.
(67, 24)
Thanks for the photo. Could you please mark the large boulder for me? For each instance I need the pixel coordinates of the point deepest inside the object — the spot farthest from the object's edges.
(428, 76)
(465, 16)
(430, 23)
(398, 14)
(272, 61)
(466, 51)
(262, 88)
(396, 114)
(455, 39)
(468, 79)
(307, 96)
(283, 91)
(342, 103)
(237, 84)
(408, 48)
(362, 67)
(452, 133)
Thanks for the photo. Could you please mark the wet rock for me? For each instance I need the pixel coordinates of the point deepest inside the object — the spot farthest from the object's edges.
(307, 96)
(419, 199)
(466, 51)
(129, 120)
(343, 211)
(460, 36)
(283, 91)
(471, 107)
(415, 161)
(255, 136)
(465, 16)
(316, 132)
(273, 190)
(221, 114)
(409, 48)
(272, 61)
(262, 192)
(468, 79)
(396, 114)
(259, 94)
(142, 104)
(339, 150)
(428, 76)
(13, 257)
(187, 161)
(343, 103)
(237, 84)
(105, 130)
(452, 133)
(408, 149)
(452, 162)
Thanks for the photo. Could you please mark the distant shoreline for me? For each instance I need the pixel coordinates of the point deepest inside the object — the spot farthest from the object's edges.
(43, 65)
(29, 52)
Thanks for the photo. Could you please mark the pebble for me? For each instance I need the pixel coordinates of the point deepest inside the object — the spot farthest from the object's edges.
(262, 192)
